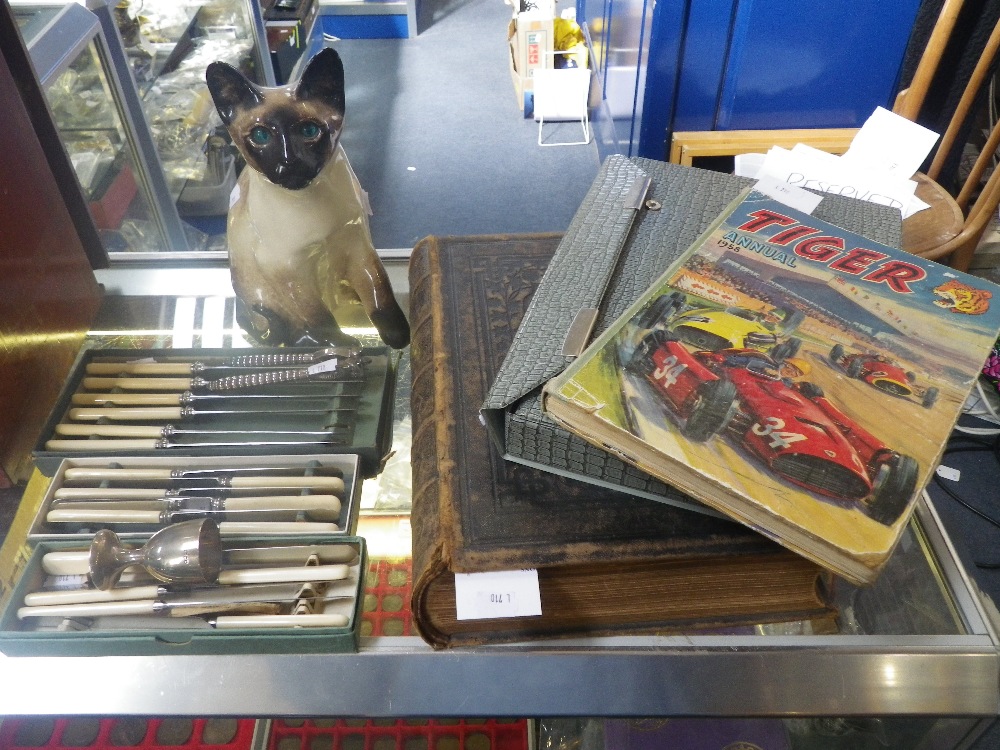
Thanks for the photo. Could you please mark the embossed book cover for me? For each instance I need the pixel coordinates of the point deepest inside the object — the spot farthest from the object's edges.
(798, 377)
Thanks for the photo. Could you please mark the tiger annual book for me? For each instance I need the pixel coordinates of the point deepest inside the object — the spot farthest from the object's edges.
(793, 375)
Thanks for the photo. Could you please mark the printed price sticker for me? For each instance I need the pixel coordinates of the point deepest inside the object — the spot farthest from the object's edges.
(509, 593)
(795, 197)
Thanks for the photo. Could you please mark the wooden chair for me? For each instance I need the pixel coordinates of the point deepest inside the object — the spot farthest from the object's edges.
(953, 227)
(950, 230)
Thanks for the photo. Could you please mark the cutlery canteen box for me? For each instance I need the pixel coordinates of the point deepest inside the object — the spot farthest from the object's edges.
(97, 486)
(163, 634)
(256, 413)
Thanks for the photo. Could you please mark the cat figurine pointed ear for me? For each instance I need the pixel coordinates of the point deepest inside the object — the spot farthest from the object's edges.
(299, 242)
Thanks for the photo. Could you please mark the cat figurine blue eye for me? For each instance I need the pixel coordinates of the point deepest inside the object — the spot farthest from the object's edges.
(300, 247)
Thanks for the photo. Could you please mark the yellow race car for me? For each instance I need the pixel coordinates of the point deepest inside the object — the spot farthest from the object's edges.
(714, 329)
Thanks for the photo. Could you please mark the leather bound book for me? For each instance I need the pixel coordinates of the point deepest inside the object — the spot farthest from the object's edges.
(608, 562)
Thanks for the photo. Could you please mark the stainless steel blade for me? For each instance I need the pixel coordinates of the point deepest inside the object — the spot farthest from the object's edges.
(187, 397)
(112, 444)
(251, 443)
(318, 471)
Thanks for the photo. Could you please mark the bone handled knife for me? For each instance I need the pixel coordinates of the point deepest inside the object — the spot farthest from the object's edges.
(73, 513)
(89, 595)
(206, 600)
(309, 620)
(249, 599)
(161, 431)
(223, 477)
(160, 493)
(316, 507)
(267, 592)
(112, 444)
(175, 413)
(77, 561)
(143, 607)
(187, 398)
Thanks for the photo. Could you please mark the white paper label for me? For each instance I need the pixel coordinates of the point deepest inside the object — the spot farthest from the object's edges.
(946, 472)
(794, 197)
(509, 593)
(327, 365)
(235, 195)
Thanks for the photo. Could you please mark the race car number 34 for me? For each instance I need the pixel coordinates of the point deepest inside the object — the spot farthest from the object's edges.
(780, 438)
(668, 372)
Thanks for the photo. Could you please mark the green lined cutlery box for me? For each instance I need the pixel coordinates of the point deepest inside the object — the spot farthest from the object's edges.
(212, 402)
(314, 495)
(189, 625)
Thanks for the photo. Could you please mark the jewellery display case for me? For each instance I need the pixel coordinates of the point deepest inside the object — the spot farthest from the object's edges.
(167, 46)
(125, 83)
(119, 176)
(914, 662)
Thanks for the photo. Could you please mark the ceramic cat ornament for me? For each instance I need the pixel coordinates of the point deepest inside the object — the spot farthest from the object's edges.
(299, 242)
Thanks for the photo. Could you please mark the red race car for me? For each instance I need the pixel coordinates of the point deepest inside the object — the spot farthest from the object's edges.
(791, 427)
(880, 372)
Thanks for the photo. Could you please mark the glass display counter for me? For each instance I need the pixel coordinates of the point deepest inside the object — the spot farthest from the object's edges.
(168, 45)
(921, 642)
(125, 83)
(106, 143)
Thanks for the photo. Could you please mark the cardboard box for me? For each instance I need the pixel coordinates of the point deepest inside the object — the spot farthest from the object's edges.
(344, 524)
(530, 37)
(159, 634)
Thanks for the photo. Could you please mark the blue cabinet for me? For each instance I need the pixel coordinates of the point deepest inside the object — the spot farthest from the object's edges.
(737, 64)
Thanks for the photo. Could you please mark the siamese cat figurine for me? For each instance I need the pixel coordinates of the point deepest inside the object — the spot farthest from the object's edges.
(299, 241)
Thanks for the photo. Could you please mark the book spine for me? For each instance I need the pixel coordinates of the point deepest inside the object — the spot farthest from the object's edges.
(429, 452)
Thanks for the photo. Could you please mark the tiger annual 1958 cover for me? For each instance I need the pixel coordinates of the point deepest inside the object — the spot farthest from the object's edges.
(798, 377)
